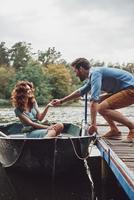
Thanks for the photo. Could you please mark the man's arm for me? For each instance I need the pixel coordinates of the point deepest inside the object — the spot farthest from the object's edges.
(73, 95)
(93, 111)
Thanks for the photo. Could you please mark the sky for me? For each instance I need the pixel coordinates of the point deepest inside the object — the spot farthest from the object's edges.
(102, 30)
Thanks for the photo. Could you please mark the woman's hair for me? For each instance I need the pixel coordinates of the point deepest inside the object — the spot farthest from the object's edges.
(19, 95)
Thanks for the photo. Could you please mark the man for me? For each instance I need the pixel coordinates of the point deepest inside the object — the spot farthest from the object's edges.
(119, 87)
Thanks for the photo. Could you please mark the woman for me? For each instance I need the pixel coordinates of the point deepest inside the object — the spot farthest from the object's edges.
(26, 109)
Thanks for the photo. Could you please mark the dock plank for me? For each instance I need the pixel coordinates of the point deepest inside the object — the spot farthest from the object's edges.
(122, 158)
(125, 151)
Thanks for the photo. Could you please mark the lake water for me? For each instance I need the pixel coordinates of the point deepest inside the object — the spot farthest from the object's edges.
(64, 114)
(23, 186)
(75, 185)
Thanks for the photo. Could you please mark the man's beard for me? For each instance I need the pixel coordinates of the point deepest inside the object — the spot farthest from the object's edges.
(82, 79)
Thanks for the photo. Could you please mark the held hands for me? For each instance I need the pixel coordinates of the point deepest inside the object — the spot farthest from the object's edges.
(56, 102)
(92, 129)
(49, 104)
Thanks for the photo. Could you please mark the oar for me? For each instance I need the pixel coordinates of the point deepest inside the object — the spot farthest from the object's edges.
(3, 134)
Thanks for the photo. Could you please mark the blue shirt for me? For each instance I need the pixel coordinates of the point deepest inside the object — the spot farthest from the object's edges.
(110, 80)
(31, 114)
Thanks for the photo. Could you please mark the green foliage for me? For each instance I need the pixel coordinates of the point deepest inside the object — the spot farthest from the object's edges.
(51, 75)
(50, 56)
(6, 74)
(4, 55)
(33, 72)
(60, 80)
(129, 67)
(20, 54)
(4, 102)
(75, 80)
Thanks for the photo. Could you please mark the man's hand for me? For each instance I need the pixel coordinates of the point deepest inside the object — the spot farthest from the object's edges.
(92, 129)
(56, 102)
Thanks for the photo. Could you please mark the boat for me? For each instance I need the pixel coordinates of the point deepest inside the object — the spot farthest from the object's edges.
(48, 155)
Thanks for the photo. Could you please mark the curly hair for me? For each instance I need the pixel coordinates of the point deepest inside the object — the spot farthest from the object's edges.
(81, 62)
(19, 95)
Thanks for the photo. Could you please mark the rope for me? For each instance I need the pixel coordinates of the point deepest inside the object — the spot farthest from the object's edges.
(88, 154)
(92, 146)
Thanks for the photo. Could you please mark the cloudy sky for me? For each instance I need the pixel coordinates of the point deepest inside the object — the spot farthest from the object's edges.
(98, 29)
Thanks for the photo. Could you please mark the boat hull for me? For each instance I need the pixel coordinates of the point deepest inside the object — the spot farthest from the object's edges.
(48, 155)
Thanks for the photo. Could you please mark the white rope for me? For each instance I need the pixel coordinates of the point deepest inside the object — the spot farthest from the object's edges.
(92, 146)
(88, 154)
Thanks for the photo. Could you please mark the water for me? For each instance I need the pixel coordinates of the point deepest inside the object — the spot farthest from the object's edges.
(24, 186)
(73, 186)
(63, 114)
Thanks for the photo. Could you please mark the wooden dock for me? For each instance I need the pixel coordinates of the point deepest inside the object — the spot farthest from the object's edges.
(120, 158)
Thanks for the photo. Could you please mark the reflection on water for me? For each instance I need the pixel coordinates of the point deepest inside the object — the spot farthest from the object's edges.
(22, 186)
(106, 186)
(16, 185)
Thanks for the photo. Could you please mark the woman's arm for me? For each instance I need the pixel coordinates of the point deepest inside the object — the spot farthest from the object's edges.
(40, 115)
(24, 119)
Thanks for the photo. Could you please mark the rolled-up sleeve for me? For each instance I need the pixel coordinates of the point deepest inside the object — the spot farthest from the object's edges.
(96, 82)
(86, 88)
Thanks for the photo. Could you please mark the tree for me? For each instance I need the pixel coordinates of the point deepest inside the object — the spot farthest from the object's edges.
(130, 67)
(50, 56)
(6, 74)
(4, 55)
(20, 54)
(59, 78)
(33, 72)
(76, 83)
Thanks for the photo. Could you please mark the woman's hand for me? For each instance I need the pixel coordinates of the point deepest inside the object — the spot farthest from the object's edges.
(49, 104)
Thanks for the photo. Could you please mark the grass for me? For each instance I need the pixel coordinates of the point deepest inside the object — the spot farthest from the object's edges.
(4, 102)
